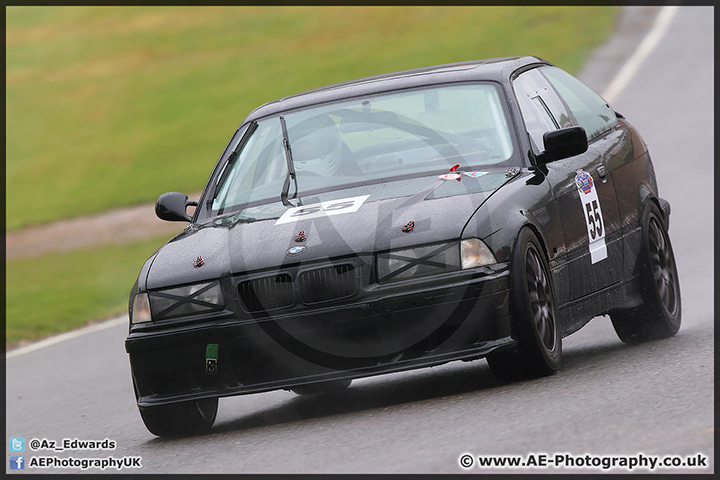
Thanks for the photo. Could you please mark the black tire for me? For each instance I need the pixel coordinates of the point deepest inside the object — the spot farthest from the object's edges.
(534, 316)
(660, 314)
(185, 418)
(333, 386)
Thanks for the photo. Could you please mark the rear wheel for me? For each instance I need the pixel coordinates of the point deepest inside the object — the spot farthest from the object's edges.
(333, 386)
(534, 316)
(660, 314)
(183, 418)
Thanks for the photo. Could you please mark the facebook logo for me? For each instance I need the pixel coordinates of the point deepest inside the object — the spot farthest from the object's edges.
(17, 462)
(17, 444)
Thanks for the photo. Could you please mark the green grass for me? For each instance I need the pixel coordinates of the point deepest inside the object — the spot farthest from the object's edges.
(58, 292)
(111, 106)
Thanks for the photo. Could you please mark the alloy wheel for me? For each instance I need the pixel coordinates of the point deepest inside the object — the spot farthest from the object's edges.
(541, 300)
(663, 268)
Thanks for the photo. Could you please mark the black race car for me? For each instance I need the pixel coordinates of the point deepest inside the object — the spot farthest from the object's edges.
(479, 209)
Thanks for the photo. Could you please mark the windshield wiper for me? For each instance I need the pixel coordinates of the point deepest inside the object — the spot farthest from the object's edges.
(290, 168)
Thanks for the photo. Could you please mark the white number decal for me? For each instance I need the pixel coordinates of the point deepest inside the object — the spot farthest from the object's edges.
(593, 215)
(333, 207)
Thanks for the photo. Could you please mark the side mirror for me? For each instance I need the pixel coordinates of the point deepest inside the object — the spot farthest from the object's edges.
(172, 206)
(563, 143)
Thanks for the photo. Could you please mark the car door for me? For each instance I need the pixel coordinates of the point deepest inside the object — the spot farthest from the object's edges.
(622, 151)
(582, 188)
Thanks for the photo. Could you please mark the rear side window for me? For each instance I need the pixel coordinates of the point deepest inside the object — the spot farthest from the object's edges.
(542, 109)
(590, 110)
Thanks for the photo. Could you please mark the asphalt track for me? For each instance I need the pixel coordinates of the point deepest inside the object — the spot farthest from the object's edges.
(654, 399)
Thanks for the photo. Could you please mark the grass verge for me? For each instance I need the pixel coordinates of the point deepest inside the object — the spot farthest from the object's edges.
(55, 293)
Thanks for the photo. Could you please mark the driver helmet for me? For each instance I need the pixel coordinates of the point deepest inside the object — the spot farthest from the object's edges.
(316, 146)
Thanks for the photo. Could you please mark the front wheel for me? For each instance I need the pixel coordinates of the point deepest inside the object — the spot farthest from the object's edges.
(659, 315)
(534, 316)
(185, 418)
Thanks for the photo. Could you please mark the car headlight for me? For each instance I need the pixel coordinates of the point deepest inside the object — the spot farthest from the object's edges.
(432, 259)
(474, 253)
(141, 309)
(418, 261)
(187, 300)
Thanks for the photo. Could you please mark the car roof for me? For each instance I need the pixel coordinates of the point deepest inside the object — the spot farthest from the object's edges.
(492, 69)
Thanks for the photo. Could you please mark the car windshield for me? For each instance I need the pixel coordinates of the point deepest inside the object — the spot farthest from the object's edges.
(366, 141)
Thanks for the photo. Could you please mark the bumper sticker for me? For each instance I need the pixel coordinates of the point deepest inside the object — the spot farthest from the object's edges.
(593, 215)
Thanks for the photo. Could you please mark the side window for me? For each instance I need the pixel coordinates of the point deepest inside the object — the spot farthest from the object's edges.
(590, 110)
(541, 108)
(260, 162)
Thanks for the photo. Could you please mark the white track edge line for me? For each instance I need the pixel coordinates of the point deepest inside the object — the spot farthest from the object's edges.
(648, 44)
(95, 327)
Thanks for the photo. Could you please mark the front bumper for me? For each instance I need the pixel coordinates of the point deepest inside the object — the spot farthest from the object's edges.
(410, 324)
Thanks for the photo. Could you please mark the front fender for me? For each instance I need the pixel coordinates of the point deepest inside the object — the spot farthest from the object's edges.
(525, 200)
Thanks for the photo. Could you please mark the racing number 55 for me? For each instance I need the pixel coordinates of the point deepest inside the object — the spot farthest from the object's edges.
(322, 208)
(594, 220)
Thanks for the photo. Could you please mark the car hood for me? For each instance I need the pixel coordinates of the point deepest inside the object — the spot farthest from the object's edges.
(369, 219)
